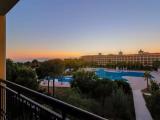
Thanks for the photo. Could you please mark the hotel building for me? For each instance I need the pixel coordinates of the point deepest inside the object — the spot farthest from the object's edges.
(145, 58)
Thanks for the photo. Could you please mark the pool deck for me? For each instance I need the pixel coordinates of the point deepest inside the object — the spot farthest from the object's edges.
(138, 83)
(44, 83)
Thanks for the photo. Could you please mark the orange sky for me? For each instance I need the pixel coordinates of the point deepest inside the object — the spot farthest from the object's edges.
(29, 55)
(23, 55)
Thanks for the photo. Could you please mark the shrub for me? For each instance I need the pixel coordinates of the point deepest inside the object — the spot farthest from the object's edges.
(154, 86)
(73, 97)
(155, 104)
(112, 99)
(103, 89)
(84, 81)
(124, 86)
(21, 74)
(121, 106)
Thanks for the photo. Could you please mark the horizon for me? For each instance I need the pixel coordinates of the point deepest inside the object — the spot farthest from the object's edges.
(70, 29)
(26, 59)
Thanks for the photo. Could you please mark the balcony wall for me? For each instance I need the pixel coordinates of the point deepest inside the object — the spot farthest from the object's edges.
(2, 60)
(2, 47)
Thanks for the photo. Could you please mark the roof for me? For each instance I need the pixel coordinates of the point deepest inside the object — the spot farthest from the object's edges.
(121, 55)
(6, 5)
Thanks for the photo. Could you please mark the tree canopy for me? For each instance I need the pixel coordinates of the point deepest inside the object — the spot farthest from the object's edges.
(21, 74)
(52, 68)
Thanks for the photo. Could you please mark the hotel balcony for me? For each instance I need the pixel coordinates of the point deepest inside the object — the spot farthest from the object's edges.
(20, 103)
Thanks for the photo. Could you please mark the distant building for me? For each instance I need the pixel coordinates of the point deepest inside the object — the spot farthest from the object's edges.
(99, 53)
(145, 58)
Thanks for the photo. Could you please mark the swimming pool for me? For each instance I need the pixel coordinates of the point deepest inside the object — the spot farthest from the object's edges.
(66, 79)
(61, 79)
(101, 73)
(117, 75)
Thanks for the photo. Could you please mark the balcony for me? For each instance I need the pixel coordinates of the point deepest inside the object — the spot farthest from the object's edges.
(25, 104)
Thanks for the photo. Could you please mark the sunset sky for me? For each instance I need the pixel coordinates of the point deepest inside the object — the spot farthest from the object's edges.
(70, 28)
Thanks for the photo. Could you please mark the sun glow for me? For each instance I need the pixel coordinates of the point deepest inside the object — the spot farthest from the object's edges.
(23, 55)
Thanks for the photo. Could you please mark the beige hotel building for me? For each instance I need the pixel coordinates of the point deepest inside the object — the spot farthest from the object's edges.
(142, 57)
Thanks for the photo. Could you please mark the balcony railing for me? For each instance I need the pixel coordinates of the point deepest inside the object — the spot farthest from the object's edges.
(26, 104)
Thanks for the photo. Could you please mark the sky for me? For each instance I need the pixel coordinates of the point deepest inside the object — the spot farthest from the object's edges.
(47, 29)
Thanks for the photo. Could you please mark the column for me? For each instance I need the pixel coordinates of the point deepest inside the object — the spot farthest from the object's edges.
(2, 61)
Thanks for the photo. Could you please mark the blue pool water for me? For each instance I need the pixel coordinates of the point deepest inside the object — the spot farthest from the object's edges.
(61, 79)
(117, 75)
(66, 79)
(101, 73)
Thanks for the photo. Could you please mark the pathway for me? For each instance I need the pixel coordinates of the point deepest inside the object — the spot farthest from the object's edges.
(141, 111)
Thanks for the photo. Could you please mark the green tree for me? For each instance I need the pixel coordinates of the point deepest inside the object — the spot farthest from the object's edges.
(147, 76)
(113, 97)
(28, 63)
(21, 74)
(35, 63)
(154, 86)
(84, 81)
(120, 106)
(111, 65)
(27, 77)
(51, 68)
(74, 64)
(122, 84)
(11, 70)
(103, 89)
(155, 105)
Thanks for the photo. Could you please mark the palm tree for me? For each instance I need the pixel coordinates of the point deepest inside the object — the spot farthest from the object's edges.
(52, 69)
(147, 76)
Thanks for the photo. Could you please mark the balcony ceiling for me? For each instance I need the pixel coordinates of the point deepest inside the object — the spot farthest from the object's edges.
(6, 5)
